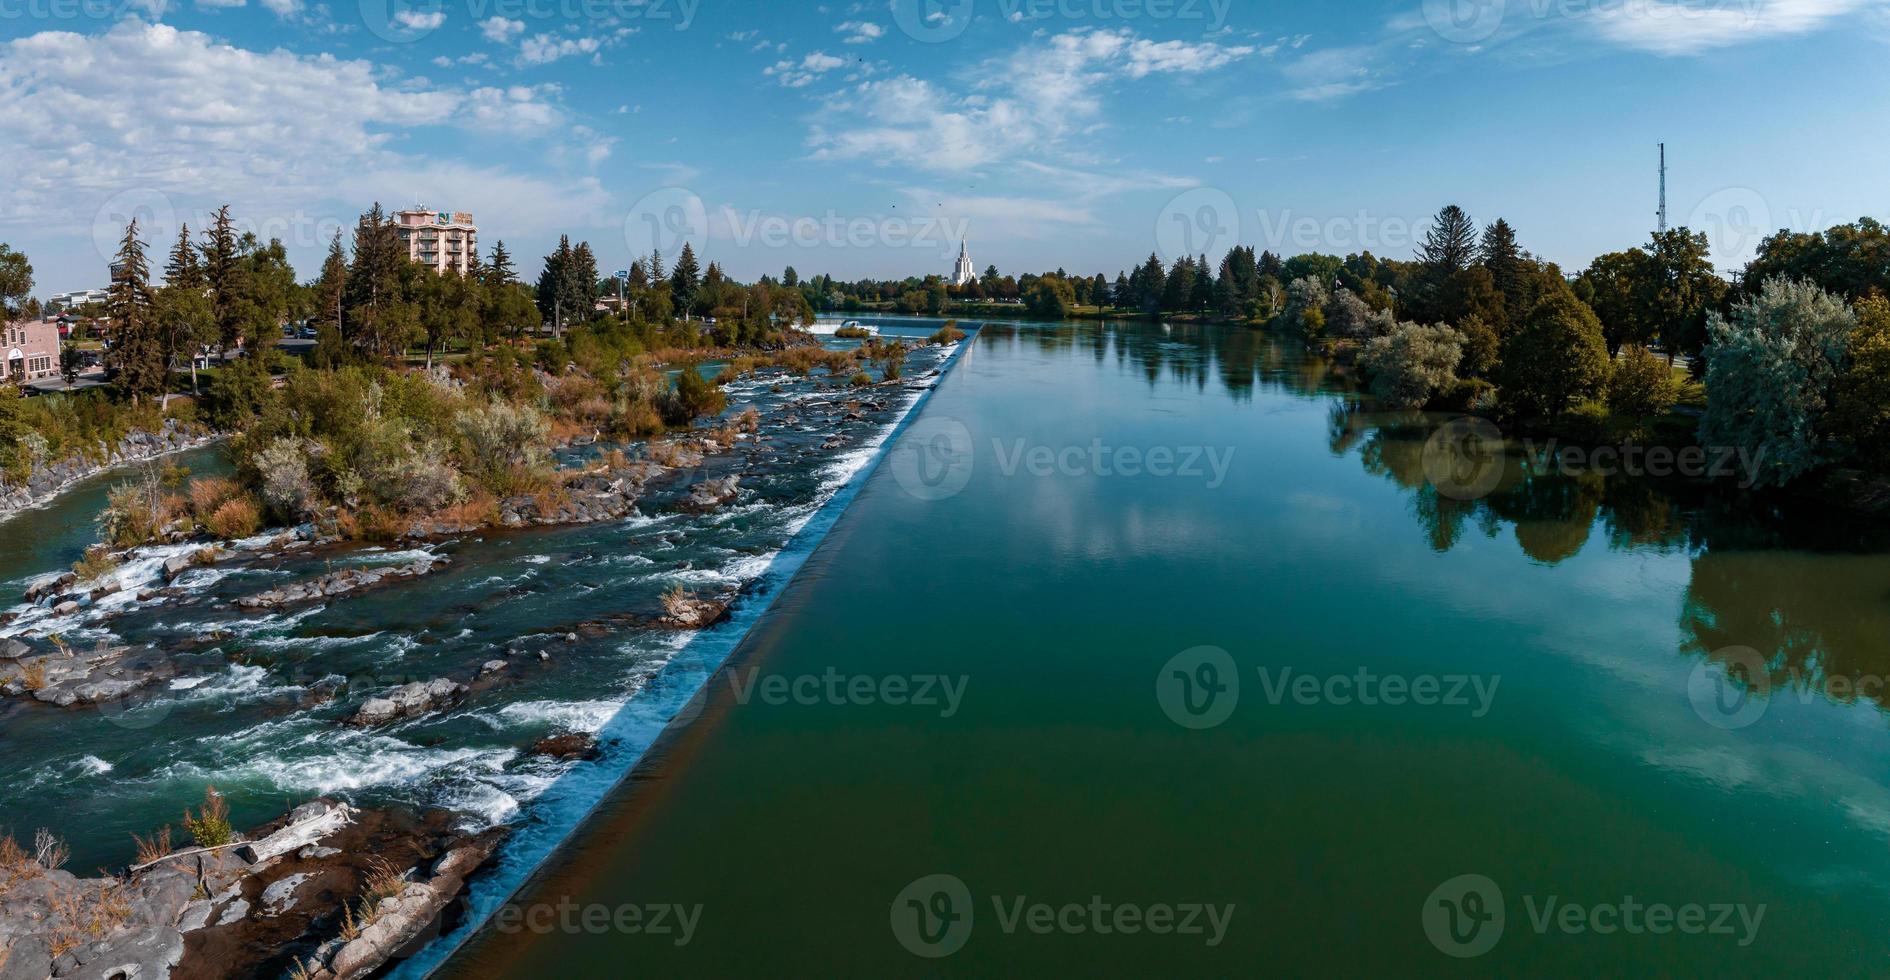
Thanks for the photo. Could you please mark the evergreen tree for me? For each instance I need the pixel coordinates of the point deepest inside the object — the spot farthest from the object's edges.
(1451, 244)
(225, 273)
(1501, 255)
(185, 321)
(581, 284)
(1152, 284)
(552, 283)
(1202, 298)
(790, 278)
(685, 280)
(137, 351)
(499, 271)
(182, 270)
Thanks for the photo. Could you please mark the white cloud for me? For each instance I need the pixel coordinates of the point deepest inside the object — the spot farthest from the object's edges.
(1679, 27)
(155, 110)
(793, 74)
(861, 32)
(1032, 100)
(415, 20)
(543, 49)
(501, 29)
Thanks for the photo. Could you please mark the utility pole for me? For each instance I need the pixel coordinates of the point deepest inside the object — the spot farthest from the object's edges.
(1663, 187)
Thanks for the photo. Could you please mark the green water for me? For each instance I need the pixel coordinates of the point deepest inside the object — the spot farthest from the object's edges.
(1570, 625)
(1590, 777)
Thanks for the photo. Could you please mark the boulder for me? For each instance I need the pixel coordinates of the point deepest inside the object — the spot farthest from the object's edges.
(409, 700)
(711, 494)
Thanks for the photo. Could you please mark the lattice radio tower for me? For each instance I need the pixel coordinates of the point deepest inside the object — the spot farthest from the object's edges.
(1663, 187)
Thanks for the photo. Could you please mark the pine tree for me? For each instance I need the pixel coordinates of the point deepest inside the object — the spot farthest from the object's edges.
(581, 284)
(1501, 255)
(182, 270)
(226, 274)
(499, 272)
(137, 352)
(552, 284)
(331, 288)
(1204, 286)
(1450, 246)
(685, 280)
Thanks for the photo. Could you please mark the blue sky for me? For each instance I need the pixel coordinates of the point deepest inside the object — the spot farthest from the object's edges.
(866, 138)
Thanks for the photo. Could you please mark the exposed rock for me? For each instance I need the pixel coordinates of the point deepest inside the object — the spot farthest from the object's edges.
(408, 700)
(711, 494)
(68, 677)
(683, 611)
(308, 823)
(66, 608)
(280, 896)
(402, 920)
(570, 745)
(492, 667)
(343, 582)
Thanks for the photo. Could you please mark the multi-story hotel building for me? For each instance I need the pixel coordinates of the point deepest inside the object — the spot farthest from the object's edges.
(439, 239)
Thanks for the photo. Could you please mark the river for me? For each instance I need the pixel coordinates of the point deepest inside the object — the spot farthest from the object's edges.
(1288, 708)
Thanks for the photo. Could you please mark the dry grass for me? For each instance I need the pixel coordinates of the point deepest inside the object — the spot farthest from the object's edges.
(207, 493)
(49, 852)
(15, 864)
(477, 511)
(154, 848)
(33, 676)
(238, 517)
(383, 880)
(676, 600)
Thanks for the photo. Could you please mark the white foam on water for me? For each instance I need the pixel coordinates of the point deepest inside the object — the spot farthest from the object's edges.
(91, 765)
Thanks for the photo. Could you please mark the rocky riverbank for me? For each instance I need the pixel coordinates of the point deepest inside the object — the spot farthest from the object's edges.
(49, 478)
(326, 891)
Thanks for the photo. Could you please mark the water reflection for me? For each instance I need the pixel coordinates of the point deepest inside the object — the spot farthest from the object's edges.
(1807, 588)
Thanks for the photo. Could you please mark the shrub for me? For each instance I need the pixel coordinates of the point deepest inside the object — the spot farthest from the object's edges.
(282, 472)
(135, 512)
(97, 563)
(1413, 363)
(501, 437)
(860, 379)
(1771, 369)
(207, 493)
(239, 517)
(692, 397)
(1642, 385)
(853, 333)
(947, 334)
(211, 827)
